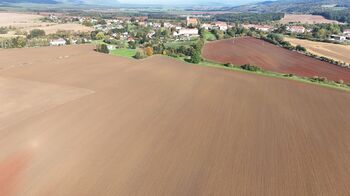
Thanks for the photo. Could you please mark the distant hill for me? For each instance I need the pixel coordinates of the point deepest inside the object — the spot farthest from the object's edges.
(28, 1)
(303, 6)
(87, 2)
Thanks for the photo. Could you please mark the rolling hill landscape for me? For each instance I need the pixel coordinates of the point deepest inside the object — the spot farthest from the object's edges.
(151, 97)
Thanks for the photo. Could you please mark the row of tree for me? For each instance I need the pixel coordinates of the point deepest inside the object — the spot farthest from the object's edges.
(339, 15)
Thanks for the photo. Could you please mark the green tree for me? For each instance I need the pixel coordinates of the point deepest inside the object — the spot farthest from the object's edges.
(20, 42)
(36, 33)
(102, 48)
(3, 30)
(195, 58)
(100, 36)
(140, 54)
(300, 48)
(87, 23)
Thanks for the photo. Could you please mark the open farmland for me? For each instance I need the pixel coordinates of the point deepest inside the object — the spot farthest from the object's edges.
(272, 58)
(28, 22)
(77, 122)
(19, 19)
(53, 28)
(305, 19)
(334, 51)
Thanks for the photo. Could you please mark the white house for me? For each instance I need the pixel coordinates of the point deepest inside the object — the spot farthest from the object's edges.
(338, 37)
(264, 28)
(58, 42)
(186, 32)
(168, 25)
(207, 26)
(110, 47)
(296, 29)
(346, 32)
(221, 25)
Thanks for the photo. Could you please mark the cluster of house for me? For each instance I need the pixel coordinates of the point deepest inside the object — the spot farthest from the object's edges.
(270, 28)
(264, 28)
(187, 32)
(345, 36)
(58, 42)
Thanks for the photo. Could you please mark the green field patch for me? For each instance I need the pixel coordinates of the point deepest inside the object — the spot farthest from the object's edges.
(123, 52)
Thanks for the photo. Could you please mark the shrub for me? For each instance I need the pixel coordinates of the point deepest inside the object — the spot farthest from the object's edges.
(100, 36)
(195, 58)
(300, 48)
(3, 30)
(140, 54)
(288, 75)
(319, 79)
(340, 82)
(102, 48)
(250, 67)
(149, 51)
(228, 65)
(36, 33)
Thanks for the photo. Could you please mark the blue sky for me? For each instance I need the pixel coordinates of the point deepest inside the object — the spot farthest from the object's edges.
(168, 2)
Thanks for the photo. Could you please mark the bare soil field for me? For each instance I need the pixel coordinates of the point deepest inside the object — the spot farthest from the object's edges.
(272, 58)
(306, 19)
(18, 19)
(333, 51)
(53, 28)
(102, 125)
(28, 22)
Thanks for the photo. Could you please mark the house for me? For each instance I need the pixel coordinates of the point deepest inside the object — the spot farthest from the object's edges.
(131, 39)
(346, 32)
(191, 21)
(186, 32)
(338, 37)
(150, 34)
(264, 28)
(156, 25)
(221, 26)
(58, 42)
(142, 23)
(110, 47)
(296, 29)
(207, 26)
(168, 25)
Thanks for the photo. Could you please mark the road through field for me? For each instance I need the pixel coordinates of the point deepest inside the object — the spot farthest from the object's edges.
(245, 50)
(161, 127)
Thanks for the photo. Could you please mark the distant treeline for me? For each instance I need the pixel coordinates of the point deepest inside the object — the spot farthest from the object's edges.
(249, 17)
(339, 15)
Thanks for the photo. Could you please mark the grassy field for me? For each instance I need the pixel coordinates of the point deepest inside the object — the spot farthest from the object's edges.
(95, 42)
(123, 52)
(177, 44)
(208, 36)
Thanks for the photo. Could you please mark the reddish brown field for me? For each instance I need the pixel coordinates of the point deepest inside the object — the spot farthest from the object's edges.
(76, 122)
(270, 57)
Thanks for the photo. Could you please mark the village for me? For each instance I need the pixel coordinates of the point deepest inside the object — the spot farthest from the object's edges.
(123, 30)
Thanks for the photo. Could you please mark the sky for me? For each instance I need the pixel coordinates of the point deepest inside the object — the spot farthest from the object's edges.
(168, 2)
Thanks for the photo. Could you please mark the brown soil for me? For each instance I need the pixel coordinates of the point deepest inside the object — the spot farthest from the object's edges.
(273, 58)
(162, 127)
(305, 18)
